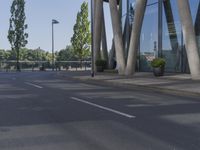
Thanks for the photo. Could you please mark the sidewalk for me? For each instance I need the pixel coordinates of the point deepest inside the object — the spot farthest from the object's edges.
(180, 84)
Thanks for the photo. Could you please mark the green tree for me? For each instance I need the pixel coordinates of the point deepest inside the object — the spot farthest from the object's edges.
(66, 54)
(23, 53)
(2, 54)
(16, 34)
(82, 37)
(11, 55)
(7, 54)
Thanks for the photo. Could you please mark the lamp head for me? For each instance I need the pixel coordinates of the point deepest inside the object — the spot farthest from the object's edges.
(54, 21)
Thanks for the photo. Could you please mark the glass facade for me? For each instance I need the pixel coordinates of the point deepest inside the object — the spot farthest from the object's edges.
(149, 36)
(173, 49)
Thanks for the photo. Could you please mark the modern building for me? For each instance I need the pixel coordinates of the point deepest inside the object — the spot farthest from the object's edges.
(150, 29)
(172, 46)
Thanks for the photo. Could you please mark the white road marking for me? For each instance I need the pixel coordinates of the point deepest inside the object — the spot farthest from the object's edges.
(140, 105)
(104, 108)
(34, 85)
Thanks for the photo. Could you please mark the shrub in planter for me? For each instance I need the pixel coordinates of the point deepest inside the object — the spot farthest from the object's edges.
(100, 65)
(158, 65)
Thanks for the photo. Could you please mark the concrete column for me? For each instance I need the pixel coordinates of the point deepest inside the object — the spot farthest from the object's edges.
(112, 56)
(135, 36)
(189, 38)
(126, 36)
(104, 40)
(98, 5)
(117, 32)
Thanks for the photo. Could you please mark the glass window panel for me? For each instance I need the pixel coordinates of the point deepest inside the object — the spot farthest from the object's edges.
(173, 46)
(195, 9)
(149, 36)
(172, 36)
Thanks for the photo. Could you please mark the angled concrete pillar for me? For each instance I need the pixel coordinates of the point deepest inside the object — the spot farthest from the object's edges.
(98, 5)
(189, 38)
(104, 40)
(117, 32)
(135, 36)
(126, 36)
(112, 56)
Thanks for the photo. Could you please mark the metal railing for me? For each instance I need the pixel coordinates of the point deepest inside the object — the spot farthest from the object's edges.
(45, 65)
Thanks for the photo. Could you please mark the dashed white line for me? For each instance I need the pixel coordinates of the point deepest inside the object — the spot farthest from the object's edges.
(34, 85)
(104, 108)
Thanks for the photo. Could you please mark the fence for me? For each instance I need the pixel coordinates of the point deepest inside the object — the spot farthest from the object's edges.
(45, 65)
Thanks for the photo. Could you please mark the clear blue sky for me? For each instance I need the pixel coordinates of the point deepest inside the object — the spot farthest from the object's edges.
(39, 14)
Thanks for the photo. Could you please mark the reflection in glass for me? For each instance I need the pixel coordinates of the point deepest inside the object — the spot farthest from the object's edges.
(173, 49)
(149, 36)
(172, 34)
(197, 26)
(127, 21)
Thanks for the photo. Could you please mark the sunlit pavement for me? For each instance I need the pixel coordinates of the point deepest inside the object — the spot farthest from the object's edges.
(42, 111)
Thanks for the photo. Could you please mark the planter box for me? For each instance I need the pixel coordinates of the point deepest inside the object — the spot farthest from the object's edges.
(158, 71)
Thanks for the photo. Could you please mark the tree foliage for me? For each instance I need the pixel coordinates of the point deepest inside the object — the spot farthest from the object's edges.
(38, 55)
(16, 34)
(81, 38)
(25, 55)
(66, 54)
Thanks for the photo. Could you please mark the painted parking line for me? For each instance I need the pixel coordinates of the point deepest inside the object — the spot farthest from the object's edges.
(34, 85)
(104, 108)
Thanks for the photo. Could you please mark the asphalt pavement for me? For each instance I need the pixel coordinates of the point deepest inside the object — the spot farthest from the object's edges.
(43, 111)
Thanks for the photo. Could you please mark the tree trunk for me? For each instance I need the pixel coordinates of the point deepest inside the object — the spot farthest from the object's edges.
(189, 38)
(18, 64)
(117, 32)
(135, 36)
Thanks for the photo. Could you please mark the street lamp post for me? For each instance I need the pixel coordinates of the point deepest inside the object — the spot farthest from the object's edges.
(53, 59)
(92, 37)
